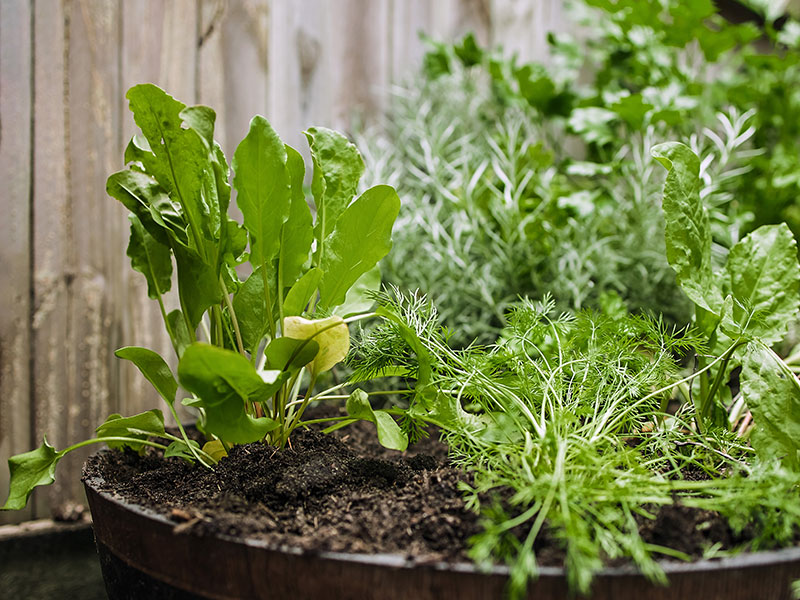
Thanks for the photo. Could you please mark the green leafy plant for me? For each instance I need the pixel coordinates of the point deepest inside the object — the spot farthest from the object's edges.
(566, 421)
(243, 346)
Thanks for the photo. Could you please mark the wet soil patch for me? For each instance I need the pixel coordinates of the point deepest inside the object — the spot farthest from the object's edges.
(344, 493)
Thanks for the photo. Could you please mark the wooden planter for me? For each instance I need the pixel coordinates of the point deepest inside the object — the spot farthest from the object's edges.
(143, 558)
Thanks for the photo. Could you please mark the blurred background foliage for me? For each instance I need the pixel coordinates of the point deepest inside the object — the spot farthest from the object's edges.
(520, 179)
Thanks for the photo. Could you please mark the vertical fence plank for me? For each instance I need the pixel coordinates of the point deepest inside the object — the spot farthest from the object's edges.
(151, 31)
(93, 233)
(16, 94)
(209, 84)
(408, 19)
(245, 67)
(299, 78)
(522, 26)
(358, 59)
(53, 273)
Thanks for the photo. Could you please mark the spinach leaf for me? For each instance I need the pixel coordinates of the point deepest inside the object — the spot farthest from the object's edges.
(772, 393)
(138, 427)
(389, 433)
(29, 470)
(337, 170)
(151, 258)
(262, 185)
(763, 276)
(688, 234)
(224, 382)
(362, 237)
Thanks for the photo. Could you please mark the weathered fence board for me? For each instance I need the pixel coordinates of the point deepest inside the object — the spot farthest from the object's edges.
(53, 374)
(15, 233)
(69, 298)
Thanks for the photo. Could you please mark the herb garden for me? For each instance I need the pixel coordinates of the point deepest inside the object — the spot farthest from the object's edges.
(534, 336)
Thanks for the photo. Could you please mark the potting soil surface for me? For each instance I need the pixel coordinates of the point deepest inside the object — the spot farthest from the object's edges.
(345, 493)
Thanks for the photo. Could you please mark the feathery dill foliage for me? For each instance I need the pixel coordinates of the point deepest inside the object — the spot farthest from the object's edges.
(569, 414)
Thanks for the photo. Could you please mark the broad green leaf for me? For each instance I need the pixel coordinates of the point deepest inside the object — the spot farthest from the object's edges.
(763, 275)
(201, 119)
(337, 170)
(151, 258)
(250, 306)
(198, 285)
(224, 381)
(358, 298)
(389, 433)
(262, 185)
(286, 354)
(688, 233)
(180, 449)
(301, 292)
(297, 234)
(331, 334)
(215, 449)
(29, 470)
(177, 325)
(772, 393)
(180, 155)
(142, 195)
(141, 427)
(154, 368)
(362, 237)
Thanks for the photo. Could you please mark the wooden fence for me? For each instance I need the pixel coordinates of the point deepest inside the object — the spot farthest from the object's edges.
(68, 296)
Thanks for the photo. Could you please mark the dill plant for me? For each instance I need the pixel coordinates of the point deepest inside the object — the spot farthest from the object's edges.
(566, 420)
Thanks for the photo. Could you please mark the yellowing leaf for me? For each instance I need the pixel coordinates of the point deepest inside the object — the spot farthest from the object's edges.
(331, 334)
(215, 450)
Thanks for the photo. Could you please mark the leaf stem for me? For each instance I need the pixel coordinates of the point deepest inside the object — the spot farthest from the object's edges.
(268, 299)
(111, 438)
(232, 313)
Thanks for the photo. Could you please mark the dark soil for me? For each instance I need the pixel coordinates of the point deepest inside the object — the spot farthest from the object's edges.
(345, 493)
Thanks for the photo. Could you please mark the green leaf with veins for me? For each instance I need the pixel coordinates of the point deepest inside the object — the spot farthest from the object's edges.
(389, 433)
(180, 449)
(141, 427)
(223, 382)
(763, 275)
(297, 234)
(250, 307)
(201, 119)
(287, 354)
(688, 233)
(178, 326)
(198, 284)
(359, 297)
(772, 393)
(362, 237)
(178, 158)
(337, 170)
(261, 180)
(299, 295)
(142, 195)
(29, 470)
(154, 368)
(151, 258)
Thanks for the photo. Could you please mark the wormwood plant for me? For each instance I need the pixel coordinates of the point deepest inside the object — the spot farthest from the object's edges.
(565, 418)
(243, 346)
